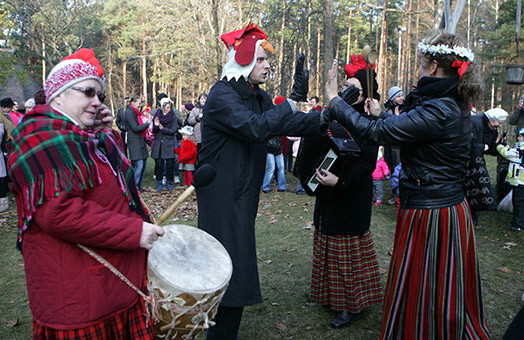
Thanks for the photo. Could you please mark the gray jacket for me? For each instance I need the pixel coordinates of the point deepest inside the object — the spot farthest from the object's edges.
(164, 141)
(136, 143)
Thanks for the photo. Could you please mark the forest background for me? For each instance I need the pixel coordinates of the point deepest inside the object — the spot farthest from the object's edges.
(173, 46)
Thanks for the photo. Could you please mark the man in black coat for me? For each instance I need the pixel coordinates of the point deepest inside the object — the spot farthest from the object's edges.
(121, 124)
(477, 184)
(239, 119)
(136, 141)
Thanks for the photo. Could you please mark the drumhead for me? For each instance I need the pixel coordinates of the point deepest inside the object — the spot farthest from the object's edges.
(190, 260)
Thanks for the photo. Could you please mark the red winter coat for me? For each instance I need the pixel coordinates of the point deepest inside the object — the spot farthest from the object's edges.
(187, 152)
(67, 288)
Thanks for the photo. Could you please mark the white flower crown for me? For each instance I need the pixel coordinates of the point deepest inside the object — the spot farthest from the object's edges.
(445, 49)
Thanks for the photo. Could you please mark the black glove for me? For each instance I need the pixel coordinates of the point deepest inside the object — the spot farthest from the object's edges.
(325, 117)
(301, 85)
(350, 95)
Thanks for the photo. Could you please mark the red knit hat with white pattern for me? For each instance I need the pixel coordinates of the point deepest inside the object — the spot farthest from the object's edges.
(73, 69)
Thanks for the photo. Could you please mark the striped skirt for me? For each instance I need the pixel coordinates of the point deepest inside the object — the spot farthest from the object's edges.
(433, 289)
(345, 272)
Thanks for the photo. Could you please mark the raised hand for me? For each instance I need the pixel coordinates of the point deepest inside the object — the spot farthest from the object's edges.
(331, 86)
(301, 85)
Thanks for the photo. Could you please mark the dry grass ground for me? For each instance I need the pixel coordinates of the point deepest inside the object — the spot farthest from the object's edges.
(284, 243)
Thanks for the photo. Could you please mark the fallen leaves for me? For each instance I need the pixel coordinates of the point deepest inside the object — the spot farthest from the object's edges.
(281, 326)
(508, 245)
(504, 269)
(12, 323)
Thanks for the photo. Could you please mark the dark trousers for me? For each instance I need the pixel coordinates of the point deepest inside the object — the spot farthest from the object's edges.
(288, 164)
(516, 328)
(159, 169)
(227, 324)
(3, 187)
(518, 205)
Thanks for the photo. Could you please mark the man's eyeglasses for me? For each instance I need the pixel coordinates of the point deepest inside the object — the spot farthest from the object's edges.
(90, 92)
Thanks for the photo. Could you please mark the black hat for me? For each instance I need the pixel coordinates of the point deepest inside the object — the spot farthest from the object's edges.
(361, 76)
(7, 102)
(161, 95)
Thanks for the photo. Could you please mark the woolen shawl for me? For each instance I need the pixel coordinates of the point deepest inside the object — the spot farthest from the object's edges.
(50, 155)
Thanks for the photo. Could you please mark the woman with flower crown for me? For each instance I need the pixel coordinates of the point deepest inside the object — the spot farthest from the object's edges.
(433, 289)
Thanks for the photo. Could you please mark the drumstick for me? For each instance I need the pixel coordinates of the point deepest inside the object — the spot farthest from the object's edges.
(203, 176)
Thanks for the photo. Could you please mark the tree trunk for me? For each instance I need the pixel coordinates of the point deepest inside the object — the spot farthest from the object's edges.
(124, 77)
(109, 85)
(317, 74)
(144, 71)
(408, 51)
(214, 6)
(153, 85)
(280, 66)
(348, 50)
(381, 75)
(450, 20)
(328, 39)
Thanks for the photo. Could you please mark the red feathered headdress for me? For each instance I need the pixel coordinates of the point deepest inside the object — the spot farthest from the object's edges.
(357, 63)
(244, 42)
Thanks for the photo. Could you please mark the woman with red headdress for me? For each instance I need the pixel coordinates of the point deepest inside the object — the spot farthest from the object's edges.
(433, 289)
(345, 273)
(73, 185)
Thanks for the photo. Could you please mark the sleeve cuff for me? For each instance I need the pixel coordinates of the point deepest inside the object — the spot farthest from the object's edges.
(293, 105)
(334, 102)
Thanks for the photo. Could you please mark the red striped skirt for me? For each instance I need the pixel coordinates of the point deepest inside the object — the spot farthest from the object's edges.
(345, 272)
(129, 324)
(433, 289)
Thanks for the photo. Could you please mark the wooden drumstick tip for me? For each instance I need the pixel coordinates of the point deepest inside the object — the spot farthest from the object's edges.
(175, 205)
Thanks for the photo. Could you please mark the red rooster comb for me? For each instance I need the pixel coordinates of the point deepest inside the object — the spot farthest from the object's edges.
(244, 42)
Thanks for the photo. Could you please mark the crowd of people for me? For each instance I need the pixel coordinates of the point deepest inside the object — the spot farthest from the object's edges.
(433, 289)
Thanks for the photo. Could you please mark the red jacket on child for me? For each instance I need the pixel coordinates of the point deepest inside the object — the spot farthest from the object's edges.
(187, 152)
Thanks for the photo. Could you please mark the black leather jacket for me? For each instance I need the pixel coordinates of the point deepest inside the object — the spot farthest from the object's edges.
(435, 139)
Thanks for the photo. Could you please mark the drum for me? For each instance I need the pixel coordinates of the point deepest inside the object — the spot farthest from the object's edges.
(188, 273)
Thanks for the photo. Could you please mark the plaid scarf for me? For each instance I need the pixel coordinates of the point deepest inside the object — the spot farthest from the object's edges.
(50, 155)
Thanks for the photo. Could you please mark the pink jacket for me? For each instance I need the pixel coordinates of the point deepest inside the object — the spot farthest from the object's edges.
(381, 170)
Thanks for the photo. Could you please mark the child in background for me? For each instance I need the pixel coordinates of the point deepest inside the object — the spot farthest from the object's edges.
(515, 178)
(147, 118)
(379, 175)
(395, 181)
(187, 154)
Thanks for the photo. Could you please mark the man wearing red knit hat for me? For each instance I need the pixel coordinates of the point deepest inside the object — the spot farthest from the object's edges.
(239, 118)
(74, 186)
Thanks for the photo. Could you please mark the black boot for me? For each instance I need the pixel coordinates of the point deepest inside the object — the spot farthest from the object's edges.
(344, 319)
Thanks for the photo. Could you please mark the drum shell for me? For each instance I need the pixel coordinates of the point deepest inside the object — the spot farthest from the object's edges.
(189, 271)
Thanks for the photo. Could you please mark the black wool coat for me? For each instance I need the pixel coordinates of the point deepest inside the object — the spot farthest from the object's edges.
(345, 209)
(238, 121)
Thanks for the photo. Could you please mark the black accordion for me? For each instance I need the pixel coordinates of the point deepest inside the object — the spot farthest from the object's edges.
(322, 152)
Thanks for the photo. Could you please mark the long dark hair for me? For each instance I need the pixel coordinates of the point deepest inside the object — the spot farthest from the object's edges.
(470, 85)
(198, 101)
